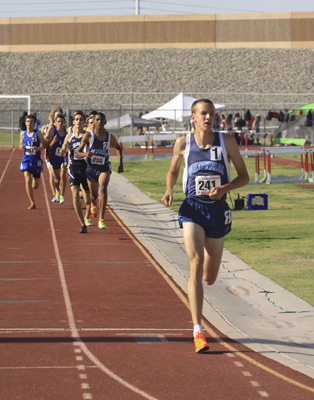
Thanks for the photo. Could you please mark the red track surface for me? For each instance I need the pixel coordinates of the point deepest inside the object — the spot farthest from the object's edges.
(95, 317)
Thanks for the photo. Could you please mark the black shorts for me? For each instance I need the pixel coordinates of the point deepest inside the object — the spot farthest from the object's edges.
(35, 174)
(77, 176)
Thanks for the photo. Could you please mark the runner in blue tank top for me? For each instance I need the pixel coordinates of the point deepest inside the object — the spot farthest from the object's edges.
(204, 214)
(32, 143)
(77, 169)
(95, 147)
(44, 130)
(55, 136)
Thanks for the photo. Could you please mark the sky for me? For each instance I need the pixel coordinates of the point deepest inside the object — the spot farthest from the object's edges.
(76, 8)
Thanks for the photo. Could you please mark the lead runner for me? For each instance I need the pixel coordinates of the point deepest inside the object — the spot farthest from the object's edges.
(204, 215)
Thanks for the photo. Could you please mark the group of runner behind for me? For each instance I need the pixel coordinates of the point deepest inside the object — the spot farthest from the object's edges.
(80, 153)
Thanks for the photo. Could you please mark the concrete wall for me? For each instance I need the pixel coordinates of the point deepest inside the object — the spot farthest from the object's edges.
(253, 30)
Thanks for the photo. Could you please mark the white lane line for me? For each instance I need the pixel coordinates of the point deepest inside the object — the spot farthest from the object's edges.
(238, 364)
(47, 367)
(6, 167)
(85, 386)
(254, 384)
(70, 314)
(83, 377)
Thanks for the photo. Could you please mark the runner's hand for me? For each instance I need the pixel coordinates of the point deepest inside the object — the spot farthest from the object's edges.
(167, 199)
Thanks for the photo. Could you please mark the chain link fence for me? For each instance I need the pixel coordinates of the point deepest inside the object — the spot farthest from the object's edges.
(116, 104)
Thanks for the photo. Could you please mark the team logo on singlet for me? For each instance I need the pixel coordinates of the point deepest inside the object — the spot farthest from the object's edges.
(206, 166)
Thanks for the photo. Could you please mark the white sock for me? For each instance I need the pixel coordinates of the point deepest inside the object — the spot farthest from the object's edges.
(198, 328)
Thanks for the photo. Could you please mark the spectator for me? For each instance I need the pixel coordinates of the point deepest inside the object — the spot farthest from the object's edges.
(256, 126)
(37, 124)
(164, 125)
(223, 123)
(229, 123)
(140, 130)
(22, 125)
(216, 122)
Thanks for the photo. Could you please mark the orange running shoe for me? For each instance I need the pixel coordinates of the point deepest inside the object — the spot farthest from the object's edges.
(94, 211)
(200, 343)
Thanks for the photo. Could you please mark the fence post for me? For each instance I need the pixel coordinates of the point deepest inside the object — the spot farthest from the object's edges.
(12, 127)
(131, 112)
(268, 168)
(306, 176)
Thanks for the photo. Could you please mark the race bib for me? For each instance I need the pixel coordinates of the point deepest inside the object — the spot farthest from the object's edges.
(204, 184)
(30, 150)
(74, 154)
(98, 160)
(57, 151)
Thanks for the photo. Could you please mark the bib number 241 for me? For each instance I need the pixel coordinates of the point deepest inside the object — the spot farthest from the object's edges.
(204, 184)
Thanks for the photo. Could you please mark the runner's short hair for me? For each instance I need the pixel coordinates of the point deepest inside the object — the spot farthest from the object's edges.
(88, 118)
(60, 116)
(31, 116)
(197, 102)
(79, 112)
(102, 114)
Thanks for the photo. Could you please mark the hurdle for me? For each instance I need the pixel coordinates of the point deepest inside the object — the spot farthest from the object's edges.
(162, 138)
(256, 155)
(269, 152)
(309, 159)
(134, 139)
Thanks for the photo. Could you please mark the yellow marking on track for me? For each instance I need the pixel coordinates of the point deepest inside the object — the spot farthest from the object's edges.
(184, 299)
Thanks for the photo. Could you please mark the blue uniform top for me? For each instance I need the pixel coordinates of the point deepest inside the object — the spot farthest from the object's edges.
(54, 157)
(31, 161)
(29, 144)
(73, 146)
(205, 168)
(101, 152)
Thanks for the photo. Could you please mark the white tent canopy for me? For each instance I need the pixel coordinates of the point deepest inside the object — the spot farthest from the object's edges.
(179, 109)
(128, 120)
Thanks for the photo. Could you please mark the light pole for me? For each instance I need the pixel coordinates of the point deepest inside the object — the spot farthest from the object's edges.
(137, 7)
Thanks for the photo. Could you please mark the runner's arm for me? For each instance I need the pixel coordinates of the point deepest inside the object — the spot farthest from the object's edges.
(85, 142)
(42, 141)
(21, 146)
(172, 175)
(65, 146)
(114, 143)
(242, 177)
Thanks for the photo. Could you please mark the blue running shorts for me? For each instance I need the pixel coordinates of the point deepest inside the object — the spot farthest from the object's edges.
(92, 174)
(34, 166)
(215, 218)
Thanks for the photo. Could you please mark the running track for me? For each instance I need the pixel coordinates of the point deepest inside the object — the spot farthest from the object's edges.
(95, 317)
